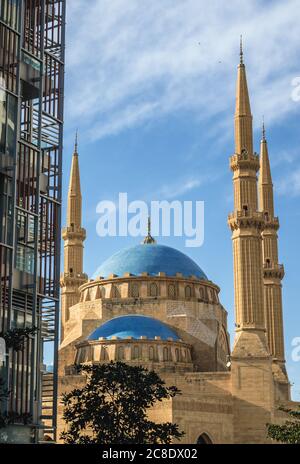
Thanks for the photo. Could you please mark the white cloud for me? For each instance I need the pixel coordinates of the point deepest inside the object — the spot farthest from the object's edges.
(133, 62)
(177, 189)
(186, 184)
(290, 184)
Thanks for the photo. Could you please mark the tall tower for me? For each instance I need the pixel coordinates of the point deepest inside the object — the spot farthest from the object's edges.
(73, 235)
(246, 222)
(251, 363)
(273, 272)
(32, 70)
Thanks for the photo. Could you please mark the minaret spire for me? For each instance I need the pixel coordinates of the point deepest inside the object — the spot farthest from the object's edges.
(263, 131)
(265, 177)
(74, 211)
(243, 116)
(273, 272)
(76, 142)
(73, 235)
(241, 50)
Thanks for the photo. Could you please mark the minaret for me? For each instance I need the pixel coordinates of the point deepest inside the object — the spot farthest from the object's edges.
(251, 362)
(73, 235)
(246, 222)
(273, 272)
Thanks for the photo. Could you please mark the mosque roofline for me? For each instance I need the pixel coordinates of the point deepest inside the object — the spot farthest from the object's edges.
(161, 276)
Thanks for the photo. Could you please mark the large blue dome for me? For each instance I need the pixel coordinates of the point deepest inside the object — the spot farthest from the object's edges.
(150, 258)
(134, 326)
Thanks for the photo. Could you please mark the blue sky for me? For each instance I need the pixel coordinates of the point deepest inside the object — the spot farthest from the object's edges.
(151, 87)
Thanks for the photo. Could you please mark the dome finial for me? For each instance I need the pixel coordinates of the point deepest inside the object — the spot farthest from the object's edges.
(149, 239)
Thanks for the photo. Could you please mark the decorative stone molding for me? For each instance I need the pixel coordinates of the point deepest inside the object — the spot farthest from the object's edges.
(151, 287)
(272, 270)
(244, 161)
(169, 355)
(246, 220)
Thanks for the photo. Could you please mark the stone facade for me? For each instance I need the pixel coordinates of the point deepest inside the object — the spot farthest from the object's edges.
(226, 397)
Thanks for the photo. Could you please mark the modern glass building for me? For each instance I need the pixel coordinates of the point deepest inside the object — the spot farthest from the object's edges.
(32, 42)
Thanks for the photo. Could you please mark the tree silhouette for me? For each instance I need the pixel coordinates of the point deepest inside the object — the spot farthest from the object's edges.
(112, 407)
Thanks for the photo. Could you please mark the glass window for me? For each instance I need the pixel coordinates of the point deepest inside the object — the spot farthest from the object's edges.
(8, 117)
(5, 210)
(9, 12)
(25, 259)
(2, 121)
(11, 125)
(18, 319)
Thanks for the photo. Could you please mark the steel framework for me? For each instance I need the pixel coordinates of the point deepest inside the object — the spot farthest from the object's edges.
(32, 47)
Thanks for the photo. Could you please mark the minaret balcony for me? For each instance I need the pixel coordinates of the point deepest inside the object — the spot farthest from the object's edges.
(246, 219)
(273, 270)
(73, 278)
(271, 222)
(244, 160)
(73, 232)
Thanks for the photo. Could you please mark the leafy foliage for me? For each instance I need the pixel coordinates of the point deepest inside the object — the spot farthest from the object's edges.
(112, 407)
(15, 338)
(3, 396)
(288, 432)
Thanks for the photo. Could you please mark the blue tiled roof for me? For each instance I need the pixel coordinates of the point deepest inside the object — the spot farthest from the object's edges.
(150, 258)
(134, 326)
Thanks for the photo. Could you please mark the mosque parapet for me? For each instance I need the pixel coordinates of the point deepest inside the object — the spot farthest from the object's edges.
(150, 287)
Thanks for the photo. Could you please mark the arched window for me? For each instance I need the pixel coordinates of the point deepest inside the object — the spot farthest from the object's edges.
(121, 353)
(104, 354)
(204, 440)
(177, 354)
(115, 292)
(188, 291)
(166, 354)
(201, 293)
(134, 290)
(136, 352)
(216, 299)
(151, 353)
(210, 295)
(153, 289)
(172, 291)
(103, 292)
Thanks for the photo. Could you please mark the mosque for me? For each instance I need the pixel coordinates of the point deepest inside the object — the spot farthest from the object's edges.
(153, 305)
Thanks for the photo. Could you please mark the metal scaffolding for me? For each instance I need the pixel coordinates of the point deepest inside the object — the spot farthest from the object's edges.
(32, 47)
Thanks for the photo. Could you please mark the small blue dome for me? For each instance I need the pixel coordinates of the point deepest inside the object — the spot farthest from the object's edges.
(134, 326)
(150, 258)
